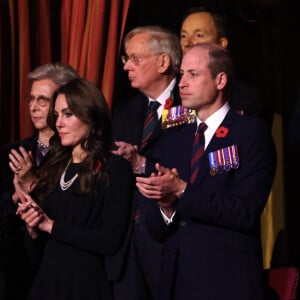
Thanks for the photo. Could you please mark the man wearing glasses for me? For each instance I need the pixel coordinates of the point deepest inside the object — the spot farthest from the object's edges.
(152, 59)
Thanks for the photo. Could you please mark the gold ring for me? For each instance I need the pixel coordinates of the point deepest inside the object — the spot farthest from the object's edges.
(17, 172)
(19, 168)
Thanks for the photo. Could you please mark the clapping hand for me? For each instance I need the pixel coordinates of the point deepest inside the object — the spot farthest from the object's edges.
(21, 164)
(33, 215)
(164, 186)
(130, 153)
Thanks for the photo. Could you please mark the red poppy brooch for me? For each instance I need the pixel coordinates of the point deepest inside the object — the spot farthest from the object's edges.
(168, 103)
(222, 132)
(99, 166)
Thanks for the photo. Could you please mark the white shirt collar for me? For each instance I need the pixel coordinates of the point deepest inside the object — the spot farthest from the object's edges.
(164, 96)
(213, 122)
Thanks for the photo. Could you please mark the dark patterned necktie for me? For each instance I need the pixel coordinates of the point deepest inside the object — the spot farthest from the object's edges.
(197, 151)
(150, 122)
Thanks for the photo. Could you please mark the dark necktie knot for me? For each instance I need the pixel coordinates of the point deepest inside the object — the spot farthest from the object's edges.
(153, 105)
(201, 128)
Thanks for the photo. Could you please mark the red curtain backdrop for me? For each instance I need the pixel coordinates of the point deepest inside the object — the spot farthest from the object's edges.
(23, 40)
(91, 36)
(84, 33)
(43, 40)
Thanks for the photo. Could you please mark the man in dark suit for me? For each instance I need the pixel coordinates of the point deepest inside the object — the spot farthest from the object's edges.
(152, 59)
(205, 24)
(211, 223)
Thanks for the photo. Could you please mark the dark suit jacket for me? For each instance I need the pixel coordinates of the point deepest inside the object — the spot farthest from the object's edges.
(249, 100)
(128, 121)
(213, 248)
(127, 125)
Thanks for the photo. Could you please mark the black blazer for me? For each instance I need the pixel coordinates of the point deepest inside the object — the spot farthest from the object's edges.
(216, 231)
(249, 100)
(13, 259)
(128, 121)
(127, 125)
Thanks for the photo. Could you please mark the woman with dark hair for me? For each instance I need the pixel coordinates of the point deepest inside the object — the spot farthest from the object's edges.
(79, 208)
(22, 158)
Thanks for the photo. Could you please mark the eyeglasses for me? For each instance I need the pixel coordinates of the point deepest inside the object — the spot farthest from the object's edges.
(135, 59)
(41, 100)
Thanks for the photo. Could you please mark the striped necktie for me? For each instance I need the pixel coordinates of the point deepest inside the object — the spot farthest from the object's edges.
(197, 151)
(150, 122)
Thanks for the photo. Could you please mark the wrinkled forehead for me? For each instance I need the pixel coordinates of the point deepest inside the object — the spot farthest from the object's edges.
(43, 87)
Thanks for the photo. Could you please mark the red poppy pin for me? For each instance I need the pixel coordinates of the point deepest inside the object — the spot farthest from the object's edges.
(168, 103)
(99, 165)
(221, 132)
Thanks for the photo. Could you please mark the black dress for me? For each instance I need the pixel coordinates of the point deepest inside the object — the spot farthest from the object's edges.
(87, 227)
(15, 265)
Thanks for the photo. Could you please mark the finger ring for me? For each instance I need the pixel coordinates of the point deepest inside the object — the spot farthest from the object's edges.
(19, 168)
(17, 172)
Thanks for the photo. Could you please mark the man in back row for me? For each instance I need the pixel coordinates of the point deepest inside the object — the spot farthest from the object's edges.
(202, 25)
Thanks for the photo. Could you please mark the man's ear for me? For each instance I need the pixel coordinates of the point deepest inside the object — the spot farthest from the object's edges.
(221, 80)
(164, 62)
(223, 42)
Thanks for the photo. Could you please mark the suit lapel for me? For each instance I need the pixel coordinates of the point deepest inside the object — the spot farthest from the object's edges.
(138, 112)
(177, 149)
(158, 131)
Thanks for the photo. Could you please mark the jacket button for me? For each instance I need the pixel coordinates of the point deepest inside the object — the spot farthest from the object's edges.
(182, 223)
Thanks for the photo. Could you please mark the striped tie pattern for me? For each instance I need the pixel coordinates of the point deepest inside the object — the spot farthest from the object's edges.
(197, 151)
(150, 122)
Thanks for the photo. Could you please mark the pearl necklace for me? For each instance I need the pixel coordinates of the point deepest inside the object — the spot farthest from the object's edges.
(42, 144)
(65, 185)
